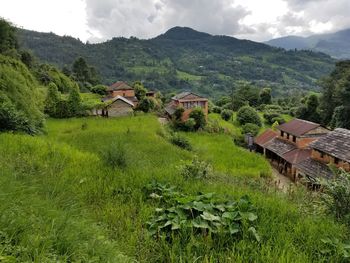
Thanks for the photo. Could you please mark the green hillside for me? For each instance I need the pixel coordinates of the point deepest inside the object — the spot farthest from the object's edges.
(183, 58)
(62, 200)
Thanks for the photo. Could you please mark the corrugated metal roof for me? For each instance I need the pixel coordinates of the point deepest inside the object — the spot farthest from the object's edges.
(184, 94)
(265, 137)
(298, 155)
(112, 100)
(298, 127)
(170, 108)
(335, 143)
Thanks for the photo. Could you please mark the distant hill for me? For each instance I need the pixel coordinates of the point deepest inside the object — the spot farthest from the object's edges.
(183, 58)
(335, 44)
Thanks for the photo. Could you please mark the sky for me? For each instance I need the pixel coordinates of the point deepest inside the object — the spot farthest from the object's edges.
(100, 20)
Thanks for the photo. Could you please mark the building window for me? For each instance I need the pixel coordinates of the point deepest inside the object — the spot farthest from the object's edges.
(294, 139)
(282, 133)
(322, 155)
(287, 136)
(336, 160)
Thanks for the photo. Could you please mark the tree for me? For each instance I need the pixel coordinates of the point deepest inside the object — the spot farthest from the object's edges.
(245, 95)
(226, 114)
(146, 104)
(198, 115)
(99, 89)
(52, 100)
(248, 114)
(85, 74)
(74, 102)
(265, 96)
(250, 128)
(140, 90)
(310, 110)
(8, 39)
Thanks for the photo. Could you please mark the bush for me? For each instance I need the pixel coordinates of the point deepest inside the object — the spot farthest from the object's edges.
(198, 115)
(247, 114)
(337, 196)
(279, 119)
(196, 169)
(269, 116)
(216, 109)
(180, 141)
(226, 114)
(146, 105)
(250, 128)
(115, 155)
(190, 124)
(99, 89)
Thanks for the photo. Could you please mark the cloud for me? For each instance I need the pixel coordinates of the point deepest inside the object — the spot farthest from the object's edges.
(148, 18)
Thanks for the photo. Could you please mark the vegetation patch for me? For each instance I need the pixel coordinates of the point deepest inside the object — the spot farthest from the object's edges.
(202, 214)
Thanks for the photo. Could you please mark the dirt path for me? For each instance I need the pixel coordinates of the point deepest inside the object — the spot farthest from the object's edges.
(281, 181)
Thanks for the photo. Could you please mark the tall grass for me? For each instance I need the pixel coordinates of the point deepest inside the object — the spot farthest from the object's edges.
(60, 201)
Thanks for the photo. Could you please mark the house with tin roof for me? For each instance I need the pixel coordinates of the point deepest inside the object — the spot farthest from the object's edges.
(289, 145)
(188, 101)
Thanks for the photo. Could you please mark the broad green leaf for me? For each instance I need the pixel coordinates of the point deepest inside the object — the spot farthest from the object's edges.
(210, 217)
(253, 232)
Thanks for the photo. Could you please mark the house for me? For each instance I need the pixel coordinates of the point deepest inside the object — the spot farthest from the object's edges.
(188, 101)
(289, 145)
(122, 89)
(332, 149)
(117, 106)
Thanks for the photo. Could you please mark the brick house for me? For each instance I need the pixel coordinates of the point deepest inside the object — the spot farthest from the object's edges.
(332, 149)
(121, 100)
(289, 145)
(188, 101)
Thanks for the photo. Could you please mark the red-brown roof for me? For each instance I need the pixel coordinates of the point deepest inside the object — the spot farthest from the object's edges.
(120, 85)
(265, 137)
(298, 127)
(296, 156)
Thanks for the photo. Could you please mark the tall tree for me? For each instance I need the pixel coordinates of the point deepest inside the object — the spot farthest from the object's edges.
(8, 39)
(265, 96)
(52, 100)
(74, 102)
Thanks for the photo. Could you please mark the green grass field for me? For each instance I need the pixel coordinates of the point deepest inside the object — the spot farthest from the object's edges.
(62, 201)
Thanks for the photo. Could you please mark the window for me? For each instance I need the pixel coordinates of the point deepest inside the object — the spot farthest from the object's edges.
(282, 133)
(336, 160)
(287, 136)
(294, 139)
(322, 155)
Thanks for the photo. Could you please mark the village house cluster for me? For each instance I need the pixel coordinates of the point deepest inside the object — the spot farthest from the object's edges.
(302, 149)
(121, 101)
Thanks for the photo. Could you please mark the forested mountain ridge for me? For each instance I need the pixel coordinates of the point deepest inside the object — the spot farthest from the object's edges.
(183, 58)
(335, 44)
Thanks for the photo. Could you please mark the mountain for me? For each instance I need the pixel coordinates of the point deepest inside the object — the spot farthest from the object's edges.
(183, 58)
(335, 44)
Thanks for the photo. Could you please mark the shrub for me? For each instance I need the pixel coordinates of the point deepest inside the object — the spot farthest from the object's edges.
(146, 105)
(337, 196)
(198, 115)
(216, 109)
(250, 128)
(247, 114)
(190, 124)
(99, 89)
(180, 141)
(196, 169)
(269, 116)
(279, 119)
(226, 114)
(115, 156)
(178, 113)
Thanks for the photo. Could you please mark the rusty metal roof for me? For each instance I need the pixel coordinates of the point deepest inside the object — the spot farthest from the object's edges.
(298, 155)
(298, 127)
(335, 143)
(265, 137)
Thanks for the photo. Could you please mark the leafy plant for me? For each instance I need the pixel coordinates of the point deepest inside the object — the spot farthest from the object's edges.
(197, 169)
(202, 214)
(180, 141)
(250, 128)
(336, 247)
(226, 114)
(248, 114)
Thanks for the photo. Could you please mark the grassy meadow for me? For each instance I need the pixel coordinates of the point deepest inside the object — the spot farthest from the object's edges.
(62, 199)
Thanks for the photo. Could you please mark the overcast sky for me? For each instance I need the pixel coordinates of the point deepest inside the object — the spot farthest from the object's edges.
(99, 20)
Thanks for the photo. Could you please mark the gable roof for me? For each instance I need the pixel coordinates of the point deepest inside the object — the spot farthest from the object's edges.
(298, 127)
(265, 137)
(119, 85)
(183, 95)
(170, 108)
(314, 169)
(112, 100)
(335, 143)
(279, 146)
(297, 155)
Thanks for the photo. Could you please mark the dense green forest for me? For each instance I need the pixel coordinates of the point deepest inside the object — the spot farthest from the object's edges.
(184, 59)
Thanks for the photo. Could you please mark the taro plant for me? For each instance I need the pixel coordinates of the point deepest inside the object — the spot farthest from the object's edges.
(335, 247)
(200, 215)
